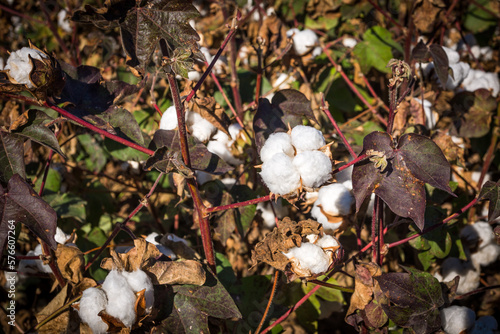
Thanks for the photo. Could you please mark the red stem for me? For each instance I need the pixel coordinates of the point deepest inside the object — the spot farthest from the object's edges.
(350, 163)
(237, 205)
(335, 125)
(383, 12)
(16, 13)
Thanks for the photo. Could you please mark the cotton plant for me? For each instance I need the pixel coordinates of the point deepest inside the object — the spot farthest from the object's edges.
(304, 41)
(430, 116)
(293, 161)
(117, 298)
(199, 127)
(333, 202)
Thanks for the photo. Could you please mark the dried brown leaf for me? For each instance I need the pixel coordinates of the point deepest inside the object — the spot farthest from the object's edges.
(59, 323)
(364, 286)
(139, 257)
(211, 111)
(179, 272)
(71, 263)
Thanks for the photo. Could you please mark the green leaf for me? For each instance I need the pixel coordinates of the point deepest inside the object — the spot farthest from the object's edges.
(68, 205)
(11, 156)
(491, 191)
(376, 49)
(96, 156)
(472, 113)
(415, 299)
(41, 135)
(52, 184)
(181, 62)
(124, 124)
(477, 19)
(20, 203)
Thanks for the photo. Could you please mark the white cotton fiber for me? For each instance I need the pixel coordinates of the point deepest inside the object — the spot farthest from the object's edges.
(485, 325)
(19, 65)
(61, 237)
(34, 266)
(2, 64)
(349, 42)
(307, 138)
(92, 302)
(151, 238)
(327, 241)
(485, 255)
(456, 319)
(460, 72)
(453, 56)
(199, 127)
(311, 257)
(219, 145)
(477, 79)
(469, 278)
(194, 76)
(234, 130)
(279, 174)
(279, 142)
(479, 233)
(283, 81)
(317, 214)
(303, 41)
(430, 119)
(63, 22)
(138, 281)
(336, 199)
(314, 168)
(169, 119)
(121, 298)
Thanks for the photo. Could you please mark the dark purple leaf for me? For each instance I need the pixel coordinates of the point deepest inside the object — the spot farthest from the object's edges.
(441, 63)
(21, 204)
(491, 191)
(11, 156)
(124, 123)
(415, 298)
(41, 135)
(287, 108)
(472, 113)
(192, 305)
(416, 160)
(420, 52)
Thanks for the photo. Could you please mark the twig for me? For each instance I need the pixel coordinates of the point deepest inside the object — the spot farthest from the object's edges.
(383, 12)
(239, 204)
(271, 297)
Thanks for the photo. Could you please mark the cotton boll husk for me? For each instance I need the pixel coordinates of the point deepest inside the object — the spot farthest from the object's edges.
(92, 302)
(336, 199)
(169, 119)
(485, 255)
(478, 232)
(19, 65)
(485, 325)
(121, 298)
(310, 257)
(200, 128)
(279, 174)
(456, 319)
(314, 168)
(469, 278)
(306, 138)
(303, 41)
(453, 56)
(138, 281)
(279, 142)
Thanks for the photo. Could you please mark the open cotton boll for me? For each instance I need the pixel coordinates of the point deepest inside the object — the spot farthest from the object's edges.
(430, 119)
(234, 130)
(92, 302)
(477, 79)
(456, 319)
(480, 232)
(279, 142)
(194, 76)
(283, 81)
(485, 325)
(121, 298)
(469, 278)
(349, 42)
(279, 174)
(2, 64)
(314, 168)
(303, 41)
(34, 266)
(61, 237)
(200, 128)
(268, 214)
(307, 138)
(453, 56)
(336, 199)
(460, 72)
(138, 281)
(63, 22)
(327, 241)
(19, 65)
(151, 238)
(309, 257)
(221, 150)
(169, 119)
(485, 255)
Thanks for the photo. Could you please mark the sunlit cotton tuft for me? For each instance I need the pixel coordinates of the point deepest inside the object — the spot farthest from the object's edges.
(307, 138)
(19, 65)
(92, 302)
(279, 174)
(280, 142)
(314, 168)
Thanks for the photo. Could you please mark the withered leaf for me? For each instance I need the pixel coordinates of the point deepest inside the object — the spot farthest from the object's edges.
(211, 111)
(71, 263)
(178, 272)
(141, 256)
(60, 322)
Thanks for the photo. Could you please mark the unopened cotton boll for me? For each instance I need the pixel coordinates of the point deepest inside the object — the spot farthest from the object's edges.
(138, 281)
(19, 64)
(310, 257)
(92, 302)
(121, 298)
(303, 41)
(279, 142)
(307, 138)
(456, 319)
(279, 174)
(336, 199)
(485, 325)
(200, 128)
(169, 119)
(314, 168)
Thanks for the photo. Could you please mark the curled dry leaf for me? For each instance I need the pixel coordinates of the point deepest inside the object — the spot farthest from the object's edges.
(178, 272)
(452, 151)
(60, 323)
(211, 111)
(70, 262)
(272, 35)
(141, 256)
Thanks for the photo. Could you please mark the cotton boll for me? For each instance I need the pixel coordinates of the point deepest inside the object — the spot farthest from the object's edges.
(121, 298)
(92, 302)
(200, 128)
(480, 232)
(485, 325)
(203, 177)
(476, 51)
(456, 319)
(63, 22)
(138, 281)
(279, 174)
(477, 79)
(173, 238)
(19, 65)
(206, 54)
(469, 278)
(349, 42)
(307, 138)
(327, 241)
(194, 76)
(151, 238)
(317, 214)
(61, 237)
(169, 119)
(283, 81)
(2, 64)
(271, 210)
(34, 266)
(453, 56)
(234, 130)
(486, 255)
(221, 149)
(317, 51)
(309, 257)
(460, 72)
(430, 119)
(314, 168)
(279, 142)
(336, 199)
(303, 41)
